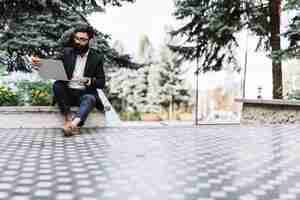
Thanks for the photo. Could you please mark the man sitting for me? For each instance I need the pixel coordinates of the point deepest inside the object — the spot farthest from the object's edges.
(84, 67)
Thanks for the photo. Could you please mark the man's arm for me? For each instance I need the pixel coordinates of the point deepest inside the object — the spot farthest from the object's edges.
(36, 61)
(99, 80)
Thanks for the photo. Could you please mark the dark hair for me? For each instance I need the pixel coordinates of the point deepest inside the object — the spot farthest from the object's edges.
(85, 29)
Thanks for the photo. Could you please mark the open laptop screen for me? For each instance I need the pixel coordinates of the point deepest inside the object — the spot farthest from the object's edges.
(52, 69)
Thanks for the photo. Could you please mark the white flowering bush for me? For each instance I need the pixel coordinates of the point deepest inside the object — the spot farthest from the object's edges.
(15, 77)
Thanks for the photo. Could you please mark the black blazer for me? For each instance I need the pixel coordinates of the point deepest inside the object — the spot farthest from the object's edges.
(93, 70)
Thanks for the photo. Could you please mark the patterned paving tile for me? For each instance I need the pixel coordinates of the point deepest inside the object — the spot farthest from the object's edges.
(187, 163)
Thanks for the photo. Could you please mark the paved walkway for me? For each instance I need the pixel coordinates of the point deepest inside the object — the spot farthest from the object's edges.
(152, 163)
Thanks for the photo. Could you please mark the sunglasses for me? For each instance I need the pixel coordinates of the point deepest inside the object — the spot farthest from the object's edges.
(81, 39)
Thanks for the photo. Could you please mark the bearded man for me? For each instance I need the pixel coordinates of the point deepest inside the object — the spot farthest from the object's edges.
(84, 69)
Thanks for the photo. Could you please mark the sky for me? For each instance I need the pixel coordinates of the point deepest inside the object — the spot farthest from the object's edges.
(130, 22)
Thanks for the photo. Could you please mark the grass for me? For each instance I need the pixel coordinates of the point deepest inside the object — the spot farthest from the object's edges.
(164, 116)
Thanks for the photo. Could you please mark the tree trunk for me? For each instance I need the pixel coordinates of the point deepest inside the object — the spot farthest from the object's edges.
(275, 45)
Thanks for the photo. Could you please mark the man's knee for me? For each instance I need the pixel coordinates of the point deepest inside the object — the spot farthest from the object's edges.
(90, 98)
(59, 86)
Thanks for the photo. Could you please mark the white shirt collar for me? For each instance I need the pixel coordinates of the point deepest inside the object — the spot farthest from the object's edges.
(85, 55)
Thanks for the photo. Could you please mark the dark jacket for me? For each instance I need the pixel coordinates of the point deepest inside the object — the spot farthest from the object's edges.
(93, 70)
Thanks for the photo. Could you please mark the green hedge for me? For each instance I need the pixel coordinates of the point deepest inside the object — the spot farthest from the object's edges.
(8, 97)
(27, 93)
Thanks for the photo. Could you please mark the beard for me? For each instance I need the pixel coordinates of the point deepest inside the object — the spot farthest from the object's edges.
(80, 49)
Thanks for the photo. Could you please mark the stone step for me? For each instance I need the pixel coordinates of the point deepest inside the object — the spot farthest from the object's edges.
(42, 117)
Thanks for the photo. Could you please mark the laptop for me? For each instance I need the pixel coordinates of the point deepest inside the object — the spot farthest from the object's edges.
(52, 69)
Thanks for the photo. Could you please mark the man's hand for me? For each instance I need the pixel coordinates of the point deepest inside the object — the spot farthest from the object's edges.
(36, 62)
(86, 82)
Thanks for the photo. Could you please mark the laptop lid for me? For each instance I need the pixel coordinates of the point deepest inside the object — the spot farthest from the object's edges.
(52, 69)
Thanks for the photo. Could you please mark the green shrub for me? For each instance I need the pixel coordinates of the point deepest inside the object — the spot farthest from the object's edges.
(35, 93)
(131, 116)
(8, 97)
(40, 94)
(40, 98)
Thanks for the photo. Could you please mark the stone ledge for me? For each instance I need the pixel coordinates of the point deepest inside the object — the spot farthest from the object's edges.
(268, 102)
(42, 117)
(260, 111)
(32, 109)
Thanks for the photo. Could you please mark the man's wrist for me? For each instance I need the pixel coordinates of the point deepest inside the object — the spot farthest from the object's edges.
(93, 82)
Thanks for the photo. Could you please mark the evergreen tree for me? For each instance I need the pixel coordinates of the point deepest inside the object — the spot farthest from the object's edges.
(173, 88)
(145, 58)
(120, 82)
(36, 26)
(44, 35)
(37, 34)
(121, 85)
(158, 84)
(140, 90)
(293, 32)
(145, 51)
(210, 28)
(154, 88)
(11, 9)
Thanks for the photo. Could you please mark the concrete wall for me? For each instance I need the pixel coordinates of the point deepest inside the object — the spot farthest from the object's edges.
(270, 112)
(42, 117)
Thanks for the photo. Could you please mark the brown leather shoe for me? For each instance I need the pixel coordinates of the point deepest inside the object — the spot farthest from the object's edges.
(67, 129)
(67, 125)
(75, 130)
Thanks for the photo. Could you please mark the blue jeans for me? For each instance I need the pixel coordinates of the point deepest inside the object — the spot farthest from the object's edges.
(67, 97)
